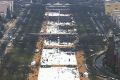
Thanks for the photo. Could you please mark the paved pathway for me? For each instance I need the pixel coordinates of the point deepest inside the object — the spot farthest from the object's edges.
(81, 65)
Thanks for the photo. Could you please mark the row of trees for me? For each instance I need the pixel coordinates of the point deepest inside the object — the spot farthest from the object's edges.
(16, 63)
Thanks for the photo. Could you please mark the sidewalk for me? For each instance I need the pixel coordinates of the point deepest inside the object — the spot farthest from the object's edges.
(81, 65)
(33, 75)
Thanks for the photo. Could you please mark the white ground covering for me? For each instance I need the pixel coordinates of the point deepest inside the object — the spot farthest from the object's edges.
(57, 43)
(55, 14)
(55, 29)
(60, 23)
(57, 57)
(58, 73)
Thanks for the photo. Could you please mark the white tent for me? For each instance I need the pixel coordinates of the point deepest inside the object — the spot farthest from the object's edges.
(86, 74)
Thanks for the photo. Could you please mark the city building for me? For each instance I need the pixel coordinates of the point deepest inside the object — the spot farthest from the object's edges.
(111, 6)
(3, 10)
(6, 5)
(115, 17)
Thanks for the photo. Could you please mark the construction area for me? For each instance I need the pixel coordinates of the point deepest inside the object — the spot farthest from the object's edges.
(55, 57)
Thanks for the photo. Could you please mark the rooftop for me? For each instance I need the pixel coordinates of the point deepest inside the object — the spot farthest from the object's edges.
(3, 8)
(4, 4)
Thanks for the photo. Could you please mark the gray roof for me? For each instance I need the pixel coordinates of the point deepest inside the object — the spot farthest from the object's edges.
(4, 4)
(3, 8)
